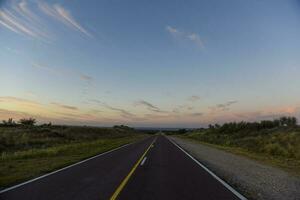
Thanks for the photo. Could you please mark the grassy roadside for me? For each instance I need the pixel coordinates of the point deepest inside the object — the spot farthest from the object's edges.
(43, 152)
(292, 166)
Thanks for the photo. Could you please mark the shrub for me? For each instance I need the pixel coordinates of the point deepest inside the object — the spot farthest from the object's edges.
(27, 122)
(9, 122)
(275, 149)
(288, 121)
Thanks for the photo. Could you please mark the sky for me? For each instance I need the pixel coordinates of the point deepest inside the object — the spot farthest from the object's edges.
(142, 63)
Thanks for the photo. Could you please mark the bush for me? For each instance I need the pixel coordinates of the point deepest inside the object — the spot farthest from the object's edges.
(27, 122)
(275, 138)
(288, 121)
(275, 149)
(9, 122)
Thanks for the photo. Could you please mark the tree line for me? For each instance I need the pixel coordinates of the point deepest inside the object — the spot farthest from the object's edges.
(264, 124)
(24, 121)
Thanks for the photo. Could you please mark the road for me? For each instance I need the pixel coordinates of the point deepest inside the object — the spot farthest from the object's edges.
(151, 169)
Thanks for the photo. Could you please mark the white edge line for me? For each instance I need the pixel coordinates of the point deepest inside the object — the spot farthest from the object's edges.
(143, 161)
(59, 170)
(240, 196)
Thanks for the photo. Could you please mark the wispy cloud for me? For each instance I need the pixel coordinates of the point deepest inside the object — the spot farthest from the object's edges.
(96, 101)
(95, 111)
(196, 114)
(193, 37)
(173, 31)
(5, 114)
(11, 99)
(63, 72)
(194, 98)
(226, 105)
(27, 18)
(148, 105)
(223, 106)
(22, 8)
(196, 39)
(46, 68)
(15, 24)
(30, 94)
(182, 108)
(123, 112)
(61, 14)
(18, 17)
(85, 77)
(64, 106)
(16, 115)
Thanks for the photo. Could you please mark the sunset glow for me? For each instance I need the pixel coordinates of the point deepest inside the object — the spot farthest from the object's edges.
(149, 63)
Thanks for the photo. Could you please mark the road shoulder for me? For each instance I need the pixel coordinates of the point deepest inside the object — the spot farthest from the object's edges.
(253, 179)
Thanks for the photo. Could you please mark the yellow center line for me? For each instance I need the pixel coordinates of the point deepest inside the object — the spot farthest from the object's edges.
(124, 182)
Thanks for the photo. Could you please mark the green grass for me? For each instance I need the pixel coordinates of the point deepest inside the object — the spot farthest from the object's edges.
(278, 147)
(44, 151)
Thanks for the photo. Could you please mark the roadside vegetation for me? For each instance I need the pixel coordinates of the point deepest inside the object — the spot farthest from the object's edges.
(27, 150)
(276, 142)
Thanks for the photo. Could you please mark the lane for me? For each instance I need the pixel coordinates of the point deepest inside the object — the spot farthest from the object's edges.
(168, 173)
(94, 179)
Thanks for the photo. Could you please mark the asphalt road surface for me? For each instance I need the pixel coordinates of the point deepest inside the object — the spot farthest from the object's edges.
(150, 169)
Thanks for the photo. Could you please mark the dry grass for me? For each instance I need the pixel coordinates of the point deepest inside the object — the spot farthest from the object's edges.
(30, 152)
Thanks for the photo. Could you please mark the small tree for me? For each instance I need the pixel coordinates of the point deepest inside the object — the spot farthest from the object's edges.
(217, 126)
(27, 122)
(283, 121)
(293, 121)
(9, 122)
(288, 121)
(210, 126)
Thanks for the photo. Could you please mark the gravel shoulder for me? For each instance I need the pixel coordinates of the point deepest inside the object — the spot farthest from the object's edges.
(251, 178)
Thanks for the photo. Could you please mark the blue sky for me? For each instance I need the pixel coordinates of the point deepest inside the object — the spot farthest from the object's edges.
(149, 63)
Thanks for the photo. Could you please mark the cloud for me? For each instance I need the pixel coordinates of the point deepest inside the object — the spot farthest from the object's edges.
(173, 31)
(57, 118)
(226, 105)
(197, 114)
(85, 77)
(149, 106)
(19, 18)
(196, 39)
(194, 98)
(95, 101)
(193, 37)
(182, 108)
(59, 13)
(40, 66)
(47, 68)
(30, 94)
(63, 72)
(23, 9)
(10, 21)
(123, 112)
(223, 107)
(5, 114)
(11, 99)
(95, 111)
(16, 115)
(68, 107)
(176, 110)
